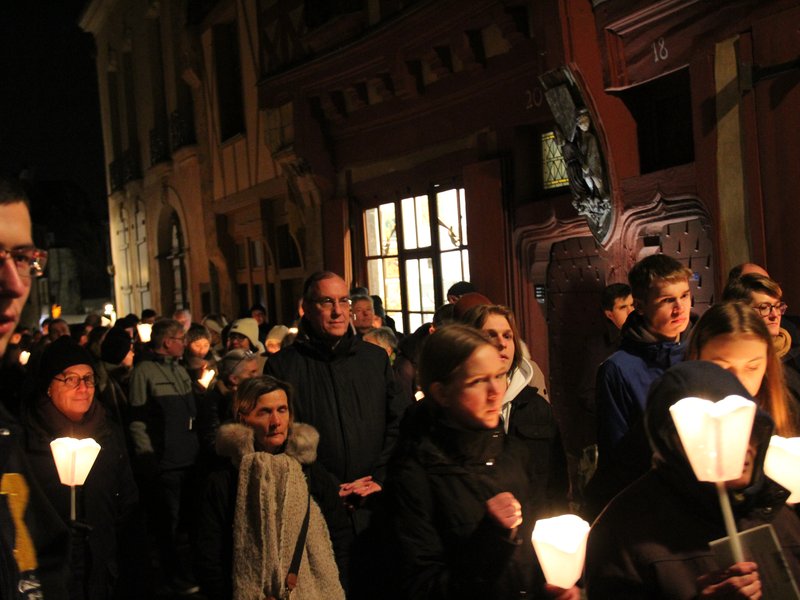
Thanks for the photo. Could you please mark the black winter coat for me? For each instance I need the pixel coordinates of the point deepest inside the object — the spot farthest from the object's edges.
(349, 394)
(438, 485)
(104, 502)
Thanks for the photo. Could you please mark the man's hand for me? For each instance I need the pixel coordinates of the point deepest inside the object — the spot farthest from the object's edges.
(505, 510)
(740, 580)
(353, 493)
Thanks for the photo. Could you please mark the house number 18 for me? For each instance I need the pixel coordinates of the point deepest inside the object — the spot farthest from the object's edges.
(660, 51)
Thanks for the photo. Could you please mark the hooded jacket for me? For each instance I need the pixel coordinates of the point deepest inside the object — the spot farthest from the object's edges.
(625, 378)
(262, 499)
(652, 540)
(528, 417)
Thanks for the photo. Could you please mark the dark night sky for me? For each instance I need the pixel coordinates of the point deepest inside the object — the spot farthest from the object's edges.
(49, 109)
(50, 126)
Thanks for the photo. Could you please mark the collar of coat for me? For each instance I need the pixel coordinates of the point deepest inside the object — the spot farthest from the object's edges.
(235, 441)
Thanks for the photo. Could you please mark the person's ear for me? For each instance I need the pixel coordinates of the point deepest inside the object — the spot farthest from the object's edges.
(609, 314)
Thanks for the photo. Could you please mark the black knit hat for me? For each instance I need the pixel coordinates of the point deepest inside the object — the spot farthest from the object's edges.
(60, 355)
(115, 346)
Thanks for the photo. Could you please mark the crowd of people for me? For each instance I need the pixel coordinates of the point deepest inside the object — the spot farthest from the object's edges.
(333, 457)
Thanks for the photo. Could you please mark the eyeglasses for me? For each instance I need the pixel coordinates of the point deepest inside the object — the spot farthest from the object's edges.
(766, 309)
(327, 303)
(29, 261)
(73, 381)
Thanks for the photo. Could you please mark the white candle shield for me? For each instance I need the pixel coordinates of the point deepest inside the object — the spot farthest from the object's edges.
(560, 545)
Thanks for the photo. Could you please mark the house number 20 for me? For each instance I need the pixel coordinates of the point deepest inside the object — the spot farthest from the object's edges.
(660, 51)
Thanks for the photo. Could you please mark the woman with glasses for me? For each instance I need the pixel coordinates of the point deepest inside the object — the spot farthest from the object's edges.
(765, 297)
(66, 406)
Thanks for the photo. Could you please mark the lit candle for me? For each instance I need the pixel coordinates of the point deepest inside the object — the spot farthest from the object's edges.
(782, 464)
(74, 459)
(144, 330)
(715, 437)
(24, 357)
(206, 378)
(560, 545)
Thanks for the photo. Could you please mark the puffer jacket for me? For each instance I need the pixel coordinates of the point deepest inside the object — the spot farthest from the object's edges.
(651, 542)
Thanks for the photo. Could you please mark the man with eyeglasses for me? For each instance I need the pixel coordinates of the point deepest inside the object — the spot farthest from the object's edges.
(346, 390)
(163, 413)
(33, 540)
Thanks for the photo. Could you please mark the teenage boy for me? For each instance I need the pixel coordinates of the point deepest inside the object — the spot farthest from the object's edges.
(652, 340)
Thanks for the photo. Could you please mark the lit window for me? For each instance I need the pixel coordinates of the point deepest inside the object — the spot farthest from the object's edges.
(402, 267)
(554, 170)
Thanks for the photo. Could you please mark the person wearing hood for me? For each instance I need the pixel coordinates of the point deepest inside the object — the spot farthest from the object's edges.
(263, 497)
(526, 414)
(653, 340)
(347, 391)
(67, 406)
(652, 540)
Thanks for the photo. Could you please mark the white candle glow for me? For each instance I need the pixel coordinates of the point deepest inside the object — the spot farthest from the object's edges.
(144, 330)
(782, 464)
(206, 378)
(560, 545)
(74, 459)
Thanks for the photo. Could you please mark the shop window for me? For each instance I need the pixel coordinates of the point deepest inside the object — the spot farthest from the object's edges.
(412, 263)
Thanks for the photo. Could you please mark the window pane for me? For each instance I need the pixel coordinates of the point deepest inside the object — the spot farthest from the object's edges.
(423, 222)
(414, 321)
(241, 259)
(412, 285)
(392, 300)
(409, 224)
(426, 283)
(462, 201)
(372, 232)
(465, 263)
(451, 269)
(375, 279)
(256, 254)
(398, 320)
(554, 171)
(447, 206)
(388, 229)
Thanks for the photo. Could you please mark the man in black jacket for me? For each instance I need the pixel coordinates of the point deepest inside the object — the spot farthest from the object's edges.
(33, 541)
(345, 389)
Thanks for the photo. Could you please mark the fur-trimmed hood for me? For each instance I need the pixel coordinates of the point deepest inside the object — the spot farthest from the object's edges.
(235, 441)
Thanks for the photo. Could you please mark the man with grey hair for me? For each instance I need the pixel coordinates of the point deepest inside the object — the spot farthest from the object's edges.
(163, 413)
(363, 311)
(346, 390)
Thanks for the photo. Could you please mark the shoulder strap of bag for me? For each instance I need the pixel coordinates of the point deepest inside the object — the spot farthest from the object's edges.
(294, 567)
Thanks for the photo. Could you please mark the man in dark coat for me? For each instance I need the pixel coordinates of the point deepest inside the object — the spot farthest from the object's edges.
(34, 542)
(346, 390)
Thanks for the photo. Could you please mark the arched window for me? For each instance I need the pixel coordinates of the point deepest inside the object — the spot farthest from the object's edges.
(176, 263)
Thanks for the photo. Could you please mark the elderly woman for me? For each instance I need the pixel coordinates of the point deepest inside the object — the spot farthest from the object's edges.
(264, 498)
(67, 407)
(461, 492)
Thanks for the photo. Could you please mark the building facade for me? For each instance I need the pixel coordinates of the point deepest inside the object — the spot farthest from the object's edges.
(535, 148)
